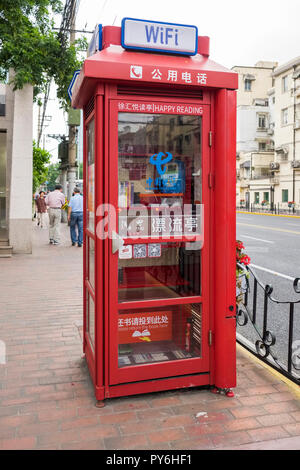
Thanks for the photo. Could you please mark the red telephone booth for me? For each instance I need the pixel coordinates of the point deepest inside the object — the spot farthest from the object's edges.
(159, 292)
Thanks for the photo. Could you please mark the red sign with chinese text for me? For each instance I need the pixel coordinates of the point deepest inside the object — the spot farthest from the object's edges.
(145, 327)
(159, 108)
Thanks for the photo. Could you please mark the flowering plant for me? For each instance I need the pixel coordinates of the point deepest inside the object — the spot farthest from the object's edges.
(241, 258)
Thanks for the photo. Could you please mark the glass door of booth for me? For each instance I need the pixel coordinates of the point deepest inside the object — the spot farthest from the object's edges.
(158, 279)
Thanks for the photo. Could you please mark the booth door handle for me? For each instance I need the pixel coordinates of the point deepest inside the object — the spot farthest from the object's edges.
(117, 242)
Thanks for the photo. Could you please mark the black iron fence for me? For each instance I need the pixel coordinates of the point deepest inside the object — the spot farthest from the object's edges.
(268, 327)
(279, 208)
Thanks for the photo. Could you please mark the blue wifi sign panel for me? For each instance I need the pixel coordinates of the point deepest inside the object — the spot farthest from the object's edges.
(158, 36)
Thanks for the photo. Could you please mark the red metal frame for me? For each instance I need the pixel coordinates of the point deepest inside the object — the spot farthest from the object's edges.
(170, 368)
(105, 77)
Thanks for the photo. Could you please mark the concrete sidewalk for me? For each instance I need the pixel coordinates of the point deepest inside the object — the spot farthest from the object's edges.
(46, 396)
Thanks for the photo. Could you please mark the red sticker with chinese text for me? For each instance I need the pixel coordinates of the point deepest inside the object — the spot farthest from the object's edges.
(145, 327)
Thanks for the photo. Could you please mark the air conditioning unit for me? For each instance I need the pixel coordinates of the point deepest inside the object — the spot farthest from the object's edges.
(274, 166)
(297, 124)
(295, 164)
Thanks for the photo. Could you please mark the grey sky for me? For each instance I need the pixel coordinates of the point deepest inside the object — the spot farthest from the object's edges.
(241, 32)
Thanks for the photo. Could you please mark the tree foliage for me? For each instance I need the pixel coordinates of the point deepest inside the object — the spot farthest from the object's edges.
(53, 171)
(40, 171)
(30, 47)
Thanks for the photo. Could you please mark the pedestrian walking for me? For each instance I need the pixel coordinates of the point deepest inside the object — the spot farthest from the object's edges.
(75, 217)
(41, 209)
(55, 200)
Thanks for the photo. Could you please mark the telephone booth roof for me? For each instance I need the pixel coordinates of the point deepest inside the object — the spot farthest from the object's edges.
(116, 64)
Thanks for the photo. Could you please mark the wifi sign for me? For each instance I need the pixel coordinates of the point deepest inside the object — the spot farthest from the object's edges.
(157, 36)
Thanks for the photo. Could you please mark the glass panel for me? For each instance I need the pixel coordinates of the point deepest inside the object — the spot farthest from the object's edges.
(3, 180)
(91, 176)
(91, 328)
(160, 176)
(159, 334)
(92, 262)
(159, 271)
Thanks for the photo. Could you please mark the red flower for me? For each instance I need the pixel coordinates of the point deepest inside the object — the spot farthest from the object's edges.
(239, 245)
(245, 259)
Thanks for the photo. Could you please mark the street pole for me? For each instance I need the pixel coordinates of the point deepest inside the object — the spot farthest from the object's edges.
(71, 175)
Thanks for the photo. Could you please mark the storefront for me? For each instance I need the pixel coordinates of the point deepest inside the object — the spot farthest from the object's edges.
(159, 188)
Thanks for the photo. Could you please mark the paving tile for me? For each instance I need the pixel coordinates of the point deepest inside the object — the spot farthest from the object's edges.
(118, 418)
(201, 443)
(129, 442)
(26, 443)
(57, 415)
(282, 407)
(59, 438)
(103, 431)
(276, 419)
(46, 395)
(232, 438)
(166, 435)
(289, 443)
(89, 445)
(247, 411)
(202, 429)
(293, 429)
(242, 424)
(79, 423)
(138, 427)
(268, 433)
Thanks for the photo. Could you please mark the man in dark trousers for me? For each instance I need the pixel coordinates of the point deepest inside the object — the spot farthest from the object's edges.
(75, 217)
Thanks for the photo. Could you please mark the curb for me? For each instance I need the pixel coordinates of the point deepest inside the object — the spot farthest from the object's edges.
(269, 215)
(293, 386)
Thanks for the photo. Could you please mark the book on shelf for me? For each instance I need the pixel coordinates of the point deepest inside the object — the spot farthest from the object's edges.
(126, 194)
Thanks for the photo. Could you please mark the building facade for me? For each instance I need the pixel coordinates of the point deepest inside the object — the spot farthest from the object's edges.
(15, 169)
(255, 145)
(268, 135)
(287, 132)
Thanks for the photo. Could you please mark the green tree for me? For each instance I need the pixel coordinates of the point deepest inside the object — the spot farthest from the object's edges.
(30, 47)
(40, 171)
(52, 175)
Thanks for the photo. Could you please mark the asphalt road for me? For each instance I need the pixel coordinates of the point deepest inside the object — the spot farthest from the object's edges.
(273, 244)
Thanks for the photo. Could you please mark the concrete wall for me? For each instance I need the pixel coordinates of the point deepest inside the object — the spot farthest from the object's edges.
(248, 134)
(259, 86)
(284, 133)
(6, 124)
(20, 211)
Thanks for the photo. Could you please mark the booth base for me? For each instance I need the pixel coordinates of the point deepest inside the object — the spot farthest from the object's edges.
(157, 385)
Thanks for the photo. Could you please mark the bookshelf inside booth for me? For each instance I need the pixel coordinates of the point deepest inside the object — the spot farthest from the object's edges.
(159, 172)
(160, 334)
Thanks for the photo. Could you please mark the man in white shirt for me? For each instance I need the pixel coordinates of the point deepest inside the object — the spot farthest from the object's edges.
(55, 200)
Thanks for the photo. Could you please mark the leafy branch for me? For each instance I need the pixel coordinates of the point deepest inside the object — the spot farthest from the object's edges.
(36, 53)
